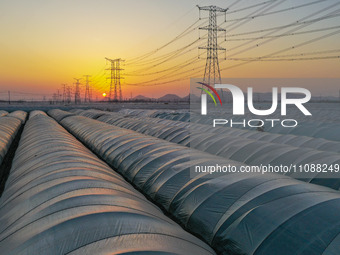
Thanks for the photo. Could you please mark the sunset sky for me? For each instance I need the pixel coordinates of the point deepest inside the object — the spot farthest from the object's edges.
(44, 44)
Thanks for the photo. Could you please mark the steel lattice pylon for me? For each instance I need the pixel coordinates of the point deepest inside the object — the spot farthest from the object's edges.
(77, 92)
(212, 74)
(87, 89)
(115, 78)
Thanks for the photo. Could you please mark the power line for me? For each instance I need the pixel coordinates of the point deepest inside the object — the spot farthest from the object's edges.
(234, 3)
(284, 35)
(238, 23)
(283, 59)
(179, 36)
(179, 53)
(165, 29)
(278, 11)
(167, 57)
(286, 49)
(297, 23)
(169, 74)
(250, 7)
(290, 55)
(176, 67)
(149, 62)
(308, 53)
(290, 31)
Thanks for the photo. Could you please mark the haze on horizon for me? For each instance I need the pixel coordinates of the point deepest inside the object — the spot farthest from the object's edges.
(48, 43)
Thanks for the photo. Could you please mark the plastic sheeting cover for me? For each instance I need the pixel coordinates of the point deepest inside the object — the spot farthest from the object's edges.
(9, 127)
(259, 214)
(60, 198)
(58, 114)
(240, 148)
(293, 140)
(21, 115)
(94, 114)
(36, 112)
(3, 113)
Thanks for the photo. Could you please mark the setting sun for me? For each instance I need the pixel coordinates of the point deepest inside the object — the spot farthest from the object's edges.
(104, 94)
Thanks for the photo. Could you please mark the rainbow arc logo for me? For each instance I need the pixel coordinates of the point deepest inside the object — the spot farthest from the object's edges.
(209, 93)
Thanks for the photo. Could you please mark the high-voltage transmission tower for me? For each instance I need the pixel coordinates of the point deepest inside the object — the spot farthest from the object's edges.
(115, 83)
(64, 92)
(77, 92)
(212, 73)
(87, 89)
(68, 94)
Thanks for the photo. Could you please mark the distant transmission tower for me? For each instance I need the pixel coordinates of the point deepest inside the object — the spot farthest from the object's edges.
(77, 92)
(115, 83)
(212, 73)
(58, 96)
(68, 94)
(87, 89)
(64, 93)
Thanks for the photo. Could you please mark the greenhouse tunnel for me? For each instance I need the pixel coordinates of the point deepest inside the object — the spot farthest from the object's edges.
(322, 125)
(62, 199)
(293, 140)
(10, 132)
(260, 214)
(251, 149)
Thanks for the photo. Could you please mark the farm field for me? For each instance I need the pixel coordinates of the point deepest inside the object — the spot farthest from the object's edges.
(120, 179)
